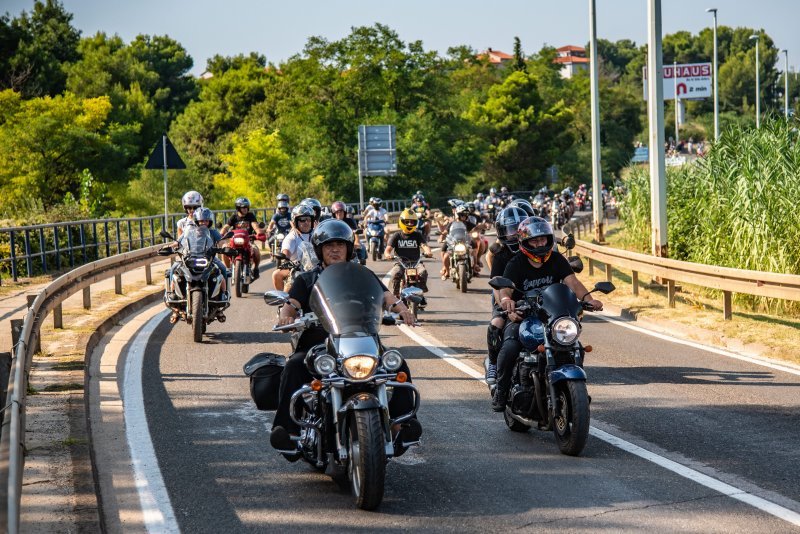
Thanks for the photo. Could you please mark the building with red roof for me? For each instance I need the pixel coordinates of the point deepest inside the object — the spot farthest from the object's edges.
(572, 59)
(495, 57)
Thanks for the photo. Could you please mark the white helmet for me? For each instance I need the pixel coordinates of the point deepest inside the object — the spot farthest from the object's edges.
(192, 199)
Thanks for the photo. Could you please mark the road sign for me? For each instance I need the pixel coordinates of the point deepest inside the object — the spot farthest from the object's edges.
(640, 155)
(377, 150)
(693, 81)
(156, 160)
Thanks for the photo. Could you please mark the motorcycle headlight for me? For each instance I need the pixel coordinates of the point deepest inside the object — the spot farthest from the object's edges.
(461, 248)
(238, 241)
(474, 235)
(392, 360)
(280, 237)
(566, 330)
(325, 364)
(359, 367)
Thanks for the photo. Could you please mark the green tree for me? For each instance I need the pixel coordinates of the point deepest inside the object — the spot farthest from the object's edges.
(519, 58)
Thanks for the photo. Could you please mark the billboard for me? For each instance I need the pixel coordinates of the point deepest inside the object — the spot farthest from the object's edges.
(692, 80)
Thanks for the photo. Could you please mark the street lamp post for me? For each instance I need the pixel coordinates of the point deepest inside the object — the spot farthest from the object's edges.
(758, 85)
(786, 83)
(597, 179)
(677, 102)
(716, 87)
(655, 116)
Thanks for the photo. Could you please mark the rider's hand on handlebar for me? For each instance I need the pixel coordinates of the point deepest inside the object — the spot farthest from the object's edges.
(407, 317)
(595, 305)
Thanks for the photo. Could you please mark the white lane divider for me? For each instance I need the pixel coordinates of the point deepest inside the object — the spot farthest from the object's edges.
(435, 347)
(786, 367)
(153, 495)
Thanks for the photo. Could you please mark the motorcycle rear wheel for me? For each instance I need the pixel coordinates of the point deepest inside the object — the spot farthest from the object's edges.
(571, 423)
(373, 251)
(238, 275)
(198, 321)
(463, 279)
(414, 307)
(367, 463)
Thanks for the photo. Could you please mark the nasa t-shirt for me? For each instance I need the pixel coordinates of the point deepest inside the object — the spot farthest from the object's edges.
(526, 277)
(406, 245)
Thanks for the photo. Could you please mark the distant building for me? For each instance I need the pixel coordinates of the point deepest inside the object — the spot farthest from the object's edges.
(495, 57)
(572, 59)
(206, 75)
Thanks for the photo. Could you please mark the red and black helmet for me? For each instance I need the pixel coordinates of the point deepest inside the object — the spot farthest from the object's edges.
(531, 228)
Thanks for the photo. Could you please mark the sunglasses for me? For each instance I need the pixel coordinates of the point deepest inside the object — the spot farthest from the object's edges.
(303, 219)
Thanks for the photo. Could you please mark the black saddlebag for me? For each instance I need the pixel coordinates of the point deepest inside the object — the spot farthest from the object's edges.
(265, 370)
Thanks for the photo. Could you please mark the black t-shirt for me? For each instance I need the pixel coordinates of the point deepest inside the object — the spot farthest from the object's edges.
(501, 255)
(406, 245)
(351, 223)
(468, 223)
(526, 277)
(239, 222)
(282, 221)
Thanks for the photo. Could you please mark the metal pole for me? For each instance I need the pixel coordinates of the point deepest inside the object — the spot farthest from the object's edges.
(785, 83)
(758, 85)
(655, 113)
(675, 85)
(716, 87)
(360, 176)
(597, 178)
(166, 209)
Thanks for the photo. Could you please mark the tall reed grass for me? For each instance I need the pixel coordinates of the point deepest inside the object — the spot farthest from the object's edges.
(737, 207)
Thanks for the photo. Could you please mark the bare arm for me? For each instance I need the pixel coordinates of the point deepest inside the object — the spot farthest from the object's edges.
(580, 290)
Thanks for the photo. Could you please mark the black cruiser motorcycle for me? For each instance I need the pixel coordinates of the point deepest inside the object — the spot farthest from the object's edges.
(344, 411)
(548, 385)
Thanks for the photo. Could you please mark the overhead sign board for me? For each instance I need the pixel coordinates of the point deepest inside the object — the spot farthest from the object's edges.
(377, 150)
(692, 81)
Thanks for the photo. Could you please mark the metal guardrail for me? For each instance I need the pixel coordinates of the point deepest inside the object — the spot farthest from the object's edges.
(45, 248)
(12, 437)
(725, 279)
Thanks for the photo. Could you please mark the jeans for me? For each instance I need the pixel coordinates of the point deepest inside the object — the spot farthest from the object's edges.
(507, 357)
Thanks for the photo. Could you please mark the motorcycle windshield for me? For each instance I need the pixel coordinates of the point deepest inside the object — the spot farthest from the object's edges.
(348, 299)
(196, 241)
(307, 256)
(558, 300)
(458, 232)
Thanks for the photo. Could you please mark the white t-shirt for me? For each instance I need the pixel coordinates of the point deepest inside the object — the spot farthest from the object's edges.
(292, 243)
(181, 224)
(371, 214)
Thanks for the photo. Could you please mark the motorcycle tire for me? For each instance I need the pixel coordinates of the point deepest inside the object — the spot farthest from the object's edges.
(463, 278)
(197, 315)
(414, 307)
(513, 424)
(571, 423)
(366, 467)
(373, 251)
(238, 275)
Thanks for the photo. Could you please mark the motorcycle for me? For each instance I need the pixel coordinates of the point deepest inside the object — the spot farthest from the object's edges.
(460, 247)
(275, 242)
(306, 260)
(194, 288)
(409, 280)
(375, 231)
(344, 412)
(241, 241)
(548, 387)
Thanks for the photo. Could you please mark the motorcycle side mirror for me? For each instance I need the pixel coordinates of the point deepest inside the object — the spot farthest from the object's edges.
(165, 252)
(568, 241)
(228, 235)
(576, 263)
(231, 252)
(280, 256)
(498, 282)
(219, 225)
(166, 235)
(262, 225)
(413, 294)
(276, 298)
(604, 287)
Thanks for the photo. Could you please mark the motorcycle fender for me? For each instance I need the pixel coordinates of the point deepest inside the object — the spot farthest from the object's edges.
(567, 372)
(359, 401)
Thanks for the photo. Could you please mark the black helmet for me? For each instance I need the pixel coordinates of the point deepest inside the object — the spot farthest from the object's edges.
(283, 197)
(524, 205)
(301, 210)
(242, 202)
(462, 209)
(315, 205)
(376, 202)
(535, 227)
(332, 230)
(507, 224)
(283, 204)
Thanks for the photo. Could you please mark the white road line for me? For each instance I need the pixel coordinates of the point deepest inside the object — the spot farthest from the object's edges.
(153, 495)
(764, 362)
(435, 347)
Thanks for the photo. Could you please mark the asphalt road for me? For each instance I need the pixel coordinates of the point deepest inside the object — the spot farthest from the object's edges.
(719, 419)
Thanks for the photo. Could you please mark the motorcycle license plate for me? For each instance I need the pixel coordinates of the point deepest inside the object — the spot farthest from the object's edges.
(411, 272)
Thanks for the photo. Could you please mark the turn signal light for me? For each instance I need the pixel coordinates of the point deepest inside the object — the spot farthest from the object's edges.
(540, 348)
(401, 377)
(588, 348)
(316, 384)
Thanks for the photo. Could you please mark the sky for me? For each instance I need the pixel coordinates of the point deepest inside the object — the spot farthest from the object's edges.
(279, 30)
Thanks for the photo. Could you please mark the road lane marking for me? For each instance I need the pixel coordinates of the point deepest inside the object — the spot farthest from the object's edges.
(435, 347)
(153, 495)
(764, 362)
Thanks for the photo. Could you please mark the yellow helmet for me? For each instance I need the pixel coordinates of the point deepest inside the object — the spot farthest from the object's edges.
(408, 221)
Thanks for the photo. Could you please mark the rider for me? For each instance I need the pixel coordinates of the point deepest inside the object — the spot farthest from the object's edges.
(501, 252)
(205, 216)
(302, 226)
(244, 219)
(191, 201)
(407, 242)
(423, 212)
(376, 212)
(537, 267)
(479, 202)
(339, 211)
(462, 215)
(333, 243)
(281, 221)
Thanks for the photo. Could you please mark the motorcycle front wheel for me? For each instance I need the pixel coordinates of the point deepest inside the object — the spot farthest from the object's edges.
(198, 322)
(571, 422)
(463, 279)
(367, 464)
(239, 275)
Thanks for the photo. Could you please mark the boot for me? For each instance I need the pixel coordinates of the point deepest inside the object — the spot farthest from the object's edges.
(499, 400)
